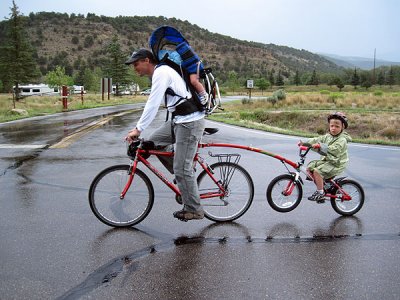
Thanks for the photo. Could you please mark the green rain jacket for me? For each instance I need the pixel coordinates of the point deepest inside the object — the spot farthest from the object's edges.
(334, 155)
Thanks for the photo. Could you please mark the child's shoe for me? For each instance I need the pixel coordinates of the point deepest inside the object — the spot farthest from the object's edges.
(318, 197)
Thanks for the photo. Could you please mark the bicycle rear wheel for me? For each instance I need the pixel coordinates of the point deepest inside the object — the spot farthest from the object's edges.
(348, 207)
(105, 201)
(239, 194)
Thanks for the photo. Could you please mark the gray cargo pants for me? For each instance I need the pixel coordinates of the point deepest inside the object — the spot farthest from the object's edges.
(187, 136)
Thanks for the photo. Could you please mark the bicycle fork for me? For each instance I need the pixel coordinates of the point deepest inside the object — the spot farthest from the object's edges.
(287, 191)
(131, 171)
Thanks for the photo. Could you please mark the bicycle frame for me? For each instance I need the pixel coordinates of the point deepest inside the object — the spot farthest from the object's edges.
(303, 151)
(197, 159)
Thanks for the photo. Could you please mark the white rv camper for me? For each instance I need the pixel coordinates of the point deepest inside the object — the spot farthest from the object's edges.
(77, 89)
(37, 90)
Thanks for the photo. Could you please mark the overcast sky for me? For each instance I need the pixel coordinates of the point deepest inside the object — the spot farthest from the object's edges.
(341, 27)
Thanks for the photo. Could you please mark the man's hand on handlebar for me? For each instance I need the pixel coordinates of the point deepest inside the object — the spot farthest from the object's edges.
(132, 135)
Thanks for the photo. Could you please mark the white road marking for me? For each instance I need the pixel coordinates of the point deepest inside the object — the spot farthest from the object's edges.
(12, 146)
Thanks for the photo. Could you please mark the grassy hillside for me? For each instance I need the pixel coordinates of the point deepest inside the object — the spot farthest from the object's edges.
(74, 41)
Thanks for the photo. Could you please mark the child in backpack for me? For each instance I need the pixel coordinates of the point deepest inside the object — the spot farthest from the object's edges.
(188, 59)
(333, 148)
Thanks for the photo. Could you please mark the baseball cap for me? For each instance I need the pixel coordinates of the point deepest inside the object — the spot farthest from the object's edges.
(139, 54)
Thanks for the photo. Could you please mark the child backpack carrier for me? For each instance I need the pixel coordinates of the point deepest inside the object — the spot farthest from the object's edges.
(170, 48)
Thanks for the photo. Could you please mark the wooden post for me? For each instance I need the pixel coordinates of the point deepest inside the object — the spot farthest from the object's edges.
(65, 97)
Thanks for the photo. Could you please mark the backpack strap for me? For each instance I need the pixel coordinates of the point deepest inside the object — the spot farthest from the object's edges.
(181, 108)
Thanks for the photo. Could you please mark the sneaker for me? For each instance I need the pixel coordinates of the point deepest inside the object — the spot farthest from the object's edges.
(317, 196)
(184, 215)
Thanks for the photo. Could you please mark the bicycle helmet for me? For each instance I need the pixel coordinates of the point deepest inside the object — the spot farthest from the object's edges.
(339, 116)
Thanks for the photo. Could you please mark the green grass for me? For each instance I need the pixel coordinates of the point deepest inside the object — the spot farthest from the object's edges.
(43, 105)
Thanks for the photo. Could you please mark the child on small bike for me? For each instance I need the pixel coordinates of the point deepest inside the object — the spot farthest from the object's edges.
(334, 155)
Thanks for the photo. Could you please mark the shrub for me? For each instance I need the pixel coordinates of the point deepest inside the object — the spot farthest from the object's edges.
(391, 133)
(333, 97)
(378, 93)
(89, 41)
(246, 101)
(279, 94)
(75, 40)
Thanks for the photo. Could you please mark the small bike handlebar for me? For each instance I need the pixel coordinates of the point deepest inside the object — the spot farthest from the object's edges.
(303, 148)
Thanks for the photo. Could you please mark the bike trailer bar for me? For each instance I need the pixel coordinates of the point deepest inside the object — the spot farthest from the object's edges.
(248, 148)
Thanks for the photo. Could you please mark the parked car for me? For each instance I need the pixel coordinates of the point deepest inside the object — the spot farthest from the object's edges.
(145, 92)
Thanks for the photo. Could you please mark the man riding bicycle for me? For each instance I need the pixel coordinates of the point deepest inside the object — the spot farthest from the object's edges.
(184, 129)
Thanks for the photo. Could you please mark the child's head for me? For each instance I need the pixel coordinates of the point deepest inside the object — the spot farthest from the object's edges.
(337, 123)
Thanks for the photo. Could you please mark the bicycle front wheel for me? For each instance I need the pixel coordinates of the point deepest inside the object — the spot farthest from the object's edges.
(238, 196)
(110, 208)
(348, 207)
(283, 193)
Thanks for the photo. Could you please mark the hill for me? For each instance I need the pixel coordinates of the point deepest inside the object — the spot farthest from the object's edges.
(358, 62)
(74, 41)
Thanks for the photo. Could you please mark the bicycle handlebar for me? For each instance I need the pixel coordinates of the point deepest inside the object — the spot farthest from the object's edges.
(304, 148)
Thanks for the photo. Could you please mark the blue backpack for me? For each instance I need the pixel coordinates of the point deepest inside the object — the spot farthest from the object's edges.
(166, 37)
(169, 47)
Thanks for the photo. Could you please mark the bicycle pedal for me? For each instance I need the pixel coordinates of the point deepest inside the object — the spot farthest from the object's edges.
(320, 201)
(183, 220)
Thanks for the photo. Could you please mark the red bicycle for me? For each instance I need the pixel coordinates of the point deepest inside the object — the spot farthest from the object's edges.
(123, 195)
(285, 191)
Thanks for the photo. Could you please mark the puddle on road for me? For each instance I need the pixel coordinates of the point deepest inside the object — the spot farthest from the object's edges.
(111, 270)
(19, 161)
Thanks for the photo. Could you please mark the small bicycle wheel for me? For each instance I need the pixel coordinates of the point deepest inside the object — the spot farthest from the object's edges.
(283, 193)
(348, 207)
(239, 192)
(106, 203)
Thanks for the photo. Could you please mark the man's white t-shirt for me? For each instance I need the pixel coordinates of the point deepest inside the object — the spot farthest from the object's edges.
(165, 77)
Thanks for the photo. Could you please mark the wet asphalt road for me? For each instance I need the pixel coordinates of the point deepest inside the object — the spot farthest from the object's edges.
(52, 246)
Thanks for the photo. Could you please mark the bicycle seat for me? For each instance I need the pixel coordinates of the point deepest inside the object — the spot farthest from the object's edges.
(210, 131)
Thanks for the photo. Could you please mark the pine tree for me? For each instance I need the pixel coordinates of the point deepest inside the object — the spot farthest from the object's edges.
(381, 78)
(296, 79)
(314, 78)
(279, 79)
(16, 55)
(233, 82)
(355, 79)
(116, 68)
(390, 77)
(271, 78)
